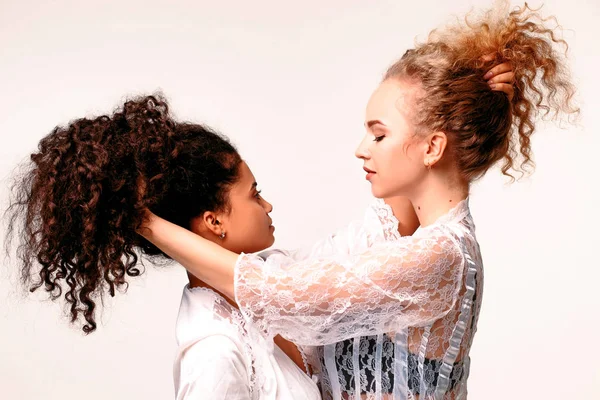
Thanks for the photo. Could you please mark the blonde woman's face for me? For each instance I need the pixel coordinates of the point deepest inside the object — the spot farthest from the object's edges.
(392, 153)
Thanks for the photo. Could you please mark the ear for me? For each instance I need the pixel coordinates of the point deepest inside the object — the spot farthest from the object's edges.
(436, 144)
(209, 222)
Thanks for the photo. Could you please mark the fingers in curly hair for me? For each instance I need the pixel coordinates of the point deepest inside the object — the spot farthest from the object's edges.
(503, 87)
(498, 69)
(507, 77)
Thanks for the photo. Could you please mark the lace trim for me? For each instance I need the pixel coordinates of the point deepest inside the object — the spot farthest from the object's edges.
(389, 222)
(226, 311)
(304, 361)
(458, 212)
(201, 289)
(257, 379)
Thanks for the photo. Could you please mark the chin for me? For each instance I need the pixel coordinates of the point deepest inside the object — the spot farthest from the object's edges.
(266, 244)
(384, 192)
(379, 192)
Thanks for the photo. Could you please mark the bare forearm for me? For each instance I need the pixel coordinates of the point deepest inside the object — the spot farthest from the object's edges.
(207, 261)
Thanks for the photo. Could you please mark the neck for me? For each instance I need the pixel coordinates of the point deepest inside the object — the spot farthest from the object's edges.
(403, 210)
(194, 281)
(439, 193)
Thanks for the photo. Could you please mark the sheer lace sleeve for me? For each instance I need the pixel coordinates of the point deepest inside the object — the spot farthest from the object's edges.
(411, 281)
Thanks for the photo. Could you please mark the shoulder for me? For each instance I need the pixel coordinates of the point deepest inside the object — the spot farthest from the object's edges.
(204, 313)
(431, 247)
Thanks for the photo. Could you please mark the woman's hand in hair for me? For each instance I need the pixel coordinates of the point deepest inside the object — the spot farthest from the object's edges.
(501, 77)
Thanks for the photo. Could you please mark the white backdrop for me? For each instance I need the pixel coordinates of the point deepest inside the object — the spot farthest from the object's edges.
(288, 83)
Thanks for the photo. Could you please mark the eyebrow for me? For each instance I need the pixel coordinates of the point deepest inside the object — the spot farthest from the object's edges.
(372, 122)
(254, 185)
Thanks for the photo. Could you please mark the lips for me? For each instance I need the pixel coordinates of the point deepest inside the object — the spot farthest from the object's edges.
(368, 171)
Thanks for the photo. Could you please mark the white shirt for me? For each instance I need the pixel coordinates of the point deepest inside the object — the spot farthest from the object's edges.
(220, 356)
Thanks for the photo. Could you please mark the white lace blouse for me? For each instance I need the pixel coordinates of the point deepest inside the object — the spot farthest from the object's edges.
(218, 357)
(380, 316)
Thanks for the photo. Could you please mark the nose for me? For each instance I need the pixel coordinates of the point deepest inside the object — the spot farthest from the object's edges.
(362, 150)
(268, 206)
